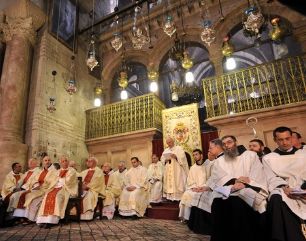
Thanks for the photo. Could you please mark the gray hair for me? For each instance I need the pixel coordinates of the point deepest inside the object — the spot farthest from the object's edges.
(217, 142)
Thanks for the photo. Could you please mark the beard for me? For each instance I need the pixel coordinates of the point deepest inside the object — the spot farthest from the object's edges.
(231, 154)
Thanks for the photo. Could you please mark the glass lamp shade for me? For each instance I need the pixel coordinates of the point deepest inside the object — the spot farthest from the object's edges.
(153, 86)
(97, 102)
(189, 77)
(230, 64)
(123, 95)
(174, 96)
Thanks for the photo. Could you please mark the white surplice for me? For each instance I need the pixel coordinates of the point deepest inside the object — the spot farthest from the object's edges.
(155, 177)
(248, 165)
(135, 202)
(175, 173)
(196, 178)
(287, 170)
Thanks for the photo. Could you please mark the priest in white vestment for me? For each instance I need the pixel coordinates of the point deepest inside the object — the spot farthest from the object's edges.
(285, 168)
(54, 203)
(175, 171)
(119, 175)
(240, 194)
(134, 198)
(11, 182)
(196, 184)
(112, 191)
(155, 178)
(17, 200)
(93, 186)
(41, 183)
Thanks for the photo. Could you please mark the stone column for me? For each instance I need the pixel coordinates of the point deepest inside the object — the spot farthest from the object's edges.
(22, 20)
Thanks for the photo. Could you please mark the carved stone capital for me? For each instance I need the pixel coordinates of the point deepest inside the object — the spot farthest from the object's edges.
(22, 27)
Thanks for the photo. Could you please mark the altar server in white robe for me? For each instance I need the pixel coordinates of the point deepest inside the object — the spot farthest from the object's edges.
(92, 186)
(155, 177)
(134, 197)
(112, 191)
(17, 200)
(55, 201)
(200, 215)
(240, 194)
(175, 171)
(196, 184)
(285, 168)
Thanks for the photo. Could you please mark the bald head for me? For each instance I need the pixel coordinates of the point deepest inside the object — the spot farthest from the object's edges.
(91, 162)
(32, 163)
(170, 142)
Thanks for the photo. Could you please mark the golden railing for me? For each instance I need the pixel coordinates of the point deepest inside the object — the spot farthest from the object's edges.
(134, 114)
(275, 83)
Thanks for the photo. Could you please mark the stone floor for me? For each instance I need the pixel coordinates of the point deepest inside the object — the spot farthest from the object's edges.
(117, 229)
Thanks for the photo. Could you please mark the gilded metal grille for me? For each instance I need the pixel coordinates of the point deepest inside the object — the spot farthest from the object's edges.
(276, 83)
(134, 114)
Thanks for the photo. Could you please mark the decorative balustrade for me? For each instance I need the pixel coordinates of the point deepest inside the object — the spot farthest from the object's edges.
(134, 114)
(272, 84)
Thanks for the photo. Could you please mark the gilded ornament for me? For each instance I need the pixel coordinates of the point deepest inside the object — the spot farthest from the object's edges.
(253, 20)
(116, 43)
(277, 32)
(187, 62)
(228, 48)
(123, 81)
(169, 26)
(208, 35)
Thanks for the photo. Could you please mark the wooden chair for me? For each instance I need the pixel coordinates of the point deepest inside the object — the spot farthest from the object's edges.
(75, 202)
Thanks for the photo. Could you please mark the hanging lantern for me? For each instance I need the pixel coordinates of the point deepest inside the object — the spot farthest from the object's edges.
(277, 33)
(153, 77)
(177, 50)
(227, 48)
(139, 39)
(123, 80)
(174, 92)
(169, 26)
(51, 106)
(253, 20)
(208, 35)
(116, 43)
(71, 86)
(91, 60)
(187, 62)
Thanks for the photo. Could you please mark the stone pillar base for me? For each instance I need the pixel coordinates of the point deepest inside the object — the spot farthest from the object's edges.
(11, 152)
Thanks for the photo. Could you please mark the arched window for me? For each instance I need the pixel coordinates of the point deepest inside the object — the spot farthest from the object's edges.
(171, 72)
(138, 82)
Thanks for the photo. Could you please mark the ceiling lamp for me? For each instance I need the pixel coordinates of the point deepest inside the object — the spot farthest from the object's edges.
(208, 34)
(116, 42)
(230, 63)
(174, 92)
(277, 33)
(169, 26)
(177, 51)
(71, 87)
(153, 77)
(123, 83)
(187, 62)
(98, 90)
(91, 60)
(253, 20)
(227, 48)
(139, 39)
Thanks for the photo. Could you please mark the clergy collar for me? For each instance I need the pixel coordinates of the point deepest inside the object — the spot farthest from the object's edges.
(221, 154)
(291, 151)
(200, 163)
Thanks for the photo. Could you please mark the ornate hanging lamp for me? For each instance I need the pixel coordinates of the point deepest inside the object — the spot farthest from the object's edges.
(277, 33)
(153, 77)
(208, 34)
(253, 21)
(227, 48)
(91, 60)
(71, 85)
(169, 26)
(51, 107)
(139, 37)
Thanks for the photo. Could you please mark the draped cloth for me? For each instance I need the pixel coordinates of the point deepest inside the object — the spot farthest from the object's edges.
(56, 198)
(285, 215)
(11, 182)
(17, 199)
(119, 176)
(175, 173)
(112, 192)
(155, 177)
(94, 179)
(196, 178)
(134, 202)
